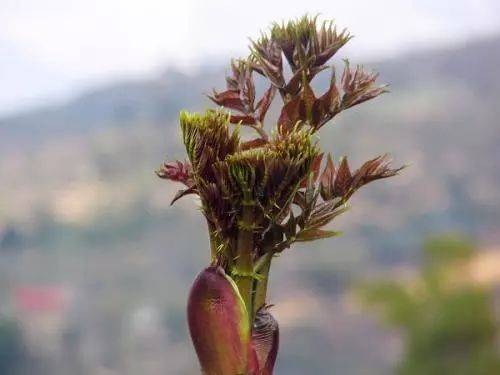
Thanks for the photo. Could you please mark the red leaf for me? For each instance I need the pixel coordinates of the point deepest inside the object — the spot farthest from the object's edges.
(374, 169)
(268, 55)
(294, 84)
(229, 99)
(329, 102)
(176, 171)
(249, 90)
(359, 86)
(244, 119)
(290, 115)
(183, 193)
(343, 179)
(254, 143)
(327, 179)
(315, 234)
(328, 52)
(315, 166)
(265, 340)
(308, 98)
(265, 102)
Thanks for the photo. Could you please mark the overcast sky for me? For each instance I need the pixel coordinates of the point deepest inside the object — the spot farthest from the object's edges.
(54, 48)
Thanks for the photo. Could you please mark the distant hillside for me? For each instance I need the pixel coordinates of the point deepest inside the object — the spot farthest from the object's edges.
(123, 103)
(474, 64)
(441, 118)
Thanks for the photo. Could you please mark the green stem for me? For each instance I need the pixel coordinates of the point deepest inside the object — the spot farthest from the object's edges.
(259, 128)
(244, 260)
(262, 267)
(213, 244)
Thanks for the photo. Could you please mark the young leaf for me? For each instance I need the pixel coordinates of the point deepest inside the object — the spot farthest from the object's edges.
(183, 193)
(265, 340)
(359, 86)
(343, 179)
(176, 171)
(315, 234)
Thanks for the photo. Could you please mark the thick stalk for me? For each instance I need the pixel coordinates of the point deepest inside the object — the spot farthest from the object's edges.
(213, 244)
(262, 268)
(244, 260)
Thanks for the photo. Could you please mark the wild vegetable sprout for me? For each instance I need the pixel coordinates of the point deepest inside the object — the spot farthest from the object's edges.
(259, 196)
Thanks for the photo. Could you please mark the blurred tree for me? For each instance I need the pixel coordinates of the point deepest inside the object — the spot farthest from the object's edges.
(11, 348)
(10, 239)
(448, 323)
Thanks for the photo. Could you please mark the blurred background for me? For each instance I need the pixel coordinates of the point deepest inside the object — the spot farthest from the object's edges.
(95, 266)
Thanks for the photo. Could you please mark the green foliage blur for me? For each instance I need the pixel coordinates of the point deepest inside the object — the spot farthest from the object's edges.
(448, 323)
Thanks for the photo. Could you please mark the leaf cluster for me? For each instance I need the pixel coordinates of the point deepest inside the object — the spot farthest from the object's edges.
(273, 185)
